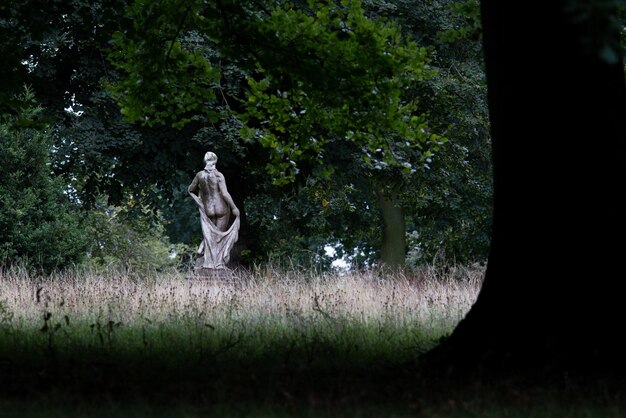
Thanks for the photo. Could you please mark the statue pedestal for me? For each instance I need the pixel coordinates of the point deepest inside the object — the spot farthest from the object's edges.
(204, 273)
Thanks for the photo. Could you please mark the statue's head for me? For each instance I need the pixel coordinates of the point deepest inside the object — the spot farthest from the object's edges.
(210, 157)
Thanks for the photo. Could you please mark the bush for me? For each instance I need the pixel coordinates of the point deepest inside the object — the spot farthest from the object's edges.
(38, 224)
(128, 239)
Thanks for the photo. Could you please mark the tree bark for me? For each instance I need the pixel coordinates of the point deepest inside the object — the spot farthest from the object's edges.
(393, 243)
(557, 105)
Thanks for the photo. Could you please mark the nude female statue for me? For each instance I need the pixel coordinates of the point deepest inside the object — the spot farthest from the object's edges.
(208, 190)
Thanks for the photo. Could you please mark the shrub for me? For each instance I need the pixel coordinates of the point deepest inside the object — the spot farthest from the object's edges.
(39, 226)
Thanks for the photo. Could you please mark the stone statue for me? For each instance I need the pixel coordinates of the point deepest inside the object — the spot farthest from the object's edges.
(208, 190)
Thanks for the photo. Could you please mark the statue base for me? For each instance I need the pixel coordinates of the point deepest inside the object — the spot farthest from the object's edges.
(211, 274)
(200, 272)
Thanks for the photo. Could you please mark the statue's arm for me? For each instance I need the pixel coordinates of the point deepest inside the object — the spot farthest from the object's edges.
(227, 197)
(193, 187)
(193, 191)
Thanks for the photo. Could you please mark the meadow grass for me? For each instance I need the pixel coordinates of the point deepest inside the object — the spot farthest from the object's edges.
(264, 343)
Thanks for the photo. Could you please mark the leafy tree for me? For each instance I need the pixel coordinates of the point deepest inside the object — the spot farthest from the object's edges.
(38, 223)
(57, 48)
(449, 203)
(448, 206)
(23, 46)
(320, 76)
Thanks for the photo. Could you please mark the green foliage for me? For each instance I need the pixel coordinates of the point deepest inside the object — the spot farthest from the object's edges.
(328, 89)
(127, 239)
(335, 75)
(448, 207)
(295, 227)
(38, 224)
(166, 81)
(56, 47)
(319, 75)
(299, 220)
(471, 27)
(188, 73)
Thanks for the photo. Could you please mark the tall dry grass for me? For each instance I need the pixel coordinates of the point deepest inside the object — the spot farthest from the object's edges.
(256, 333)
(422, 299)
(267, 338)
(264, 320)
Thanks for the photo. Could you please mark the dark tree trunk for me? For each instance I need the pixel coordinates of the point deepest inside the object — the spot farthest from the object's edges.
(393, 241)
(557, 104)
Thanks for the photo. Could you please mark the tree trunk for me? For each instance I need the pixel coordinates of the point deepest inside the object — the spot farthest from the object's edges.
(393, 244)
(557, 104)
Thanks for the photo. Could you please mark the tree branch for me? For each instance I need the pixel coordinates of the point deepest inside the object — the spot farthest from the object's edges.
(178, 30)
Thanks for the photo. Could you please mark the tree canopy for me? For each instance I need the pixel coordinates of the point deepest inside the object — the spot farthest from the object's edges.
(324, 85)
(318, 75)
(318, 110)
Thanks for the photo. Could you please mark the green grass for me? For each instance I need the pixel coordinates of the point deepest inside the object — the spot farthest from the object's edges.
(267, 344)
(143, 410)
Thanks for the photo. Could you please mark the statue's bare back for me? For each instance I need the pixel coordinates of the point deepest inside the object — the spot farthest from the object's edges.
(210, 185)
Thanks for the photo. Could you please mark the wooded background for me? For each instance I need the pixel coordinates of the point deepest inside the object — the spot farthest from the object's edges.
(359, 125)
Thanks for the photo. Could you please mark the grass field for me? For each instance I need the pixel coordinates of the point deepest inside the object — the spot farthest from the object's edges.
(265, 343)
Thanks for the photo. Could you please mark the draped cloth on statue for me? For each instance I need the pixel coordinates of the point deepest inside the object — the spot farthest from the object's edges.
(216, 245)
